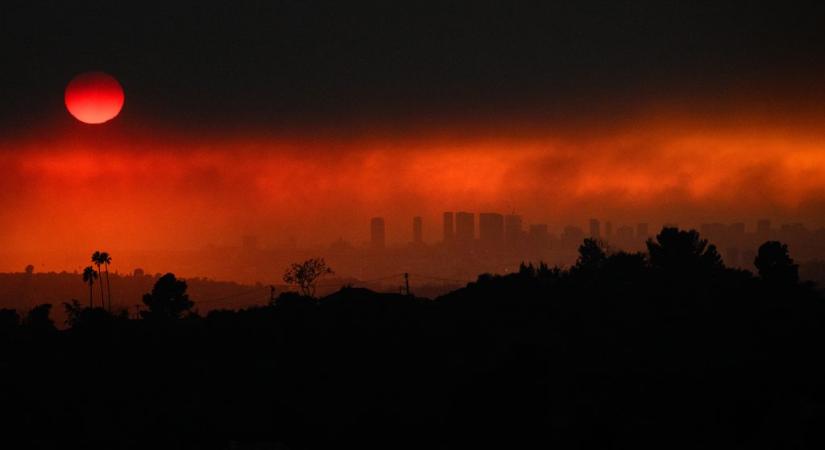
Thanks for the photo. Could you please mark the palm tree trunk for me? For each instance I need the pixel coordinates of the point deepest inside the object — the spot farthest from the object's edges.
(91, 305)
(100, 277)
(108, 287)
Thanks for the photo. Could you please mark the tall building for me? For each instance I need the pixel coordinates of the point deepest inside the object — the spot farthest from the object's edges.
(417, 230)
(642, 231)
(513, 229)
(608, 230)
(490, 230)
(465, 229)
(377, 233)
(595, 229)
(449, 227)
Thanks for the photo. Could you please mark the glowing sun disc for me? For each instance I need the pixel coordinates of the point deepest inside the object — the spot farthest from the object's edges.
(94, 97)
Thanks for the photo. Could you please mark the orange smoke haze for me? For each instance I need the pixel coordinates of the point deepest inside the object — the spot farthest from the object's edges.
(76, 193)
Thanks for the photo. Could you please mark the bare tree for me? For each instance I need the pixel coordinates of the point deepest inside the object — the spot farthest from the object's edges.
(306, 274)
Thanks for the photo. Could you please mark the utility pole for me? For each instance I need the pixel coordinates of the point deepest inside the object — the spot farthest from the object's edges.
(407, 283)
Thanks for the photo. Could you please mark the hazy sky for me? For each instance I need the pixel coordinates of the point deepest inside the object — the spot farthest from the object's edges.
(289, 119)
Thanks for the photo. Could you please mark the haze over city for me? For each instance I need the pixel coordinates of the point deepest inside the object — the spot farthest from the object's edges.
(700, 128)
(444, 225)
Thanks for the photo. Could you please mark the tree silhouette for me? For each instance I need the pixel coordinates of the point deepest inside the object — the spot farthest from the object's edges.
(106, 259)
(97, 259)
(168, 299)
(73, 311)
(78, 317)
(9, 321)
(592, 254)
(89, 276)
(306, 274)
(29, 270)
(38, 319)
(775, 264)
(683, 251)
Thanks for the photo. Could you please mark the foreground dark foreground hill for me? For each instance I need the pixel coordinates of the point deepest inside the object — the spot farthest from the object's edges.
(667, 348)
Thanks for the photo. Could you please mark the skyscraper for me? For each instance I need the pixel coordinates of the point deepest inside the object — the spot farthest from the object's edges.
(377, 233)
(608, 230)
(465, 229)
(513, 229)
(417, 230)
(490, 230)
(595, 229)
(449, 227)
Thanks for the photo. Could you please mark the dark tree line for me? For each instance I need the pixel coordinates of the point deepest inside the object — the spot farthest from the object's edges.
(665, 348)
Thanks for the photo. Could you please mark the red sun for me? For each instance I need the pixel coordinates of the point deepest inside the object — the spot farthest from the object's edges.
(94, 97)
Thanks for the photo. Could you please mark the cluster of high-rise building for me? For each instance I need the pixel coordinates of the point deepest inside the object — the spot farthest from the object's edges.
(496, 233)
(465, 244)
(492, 231)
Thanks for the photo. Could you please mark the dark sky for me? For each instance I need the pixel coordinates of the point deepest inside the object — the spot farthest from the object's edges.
(282, 64)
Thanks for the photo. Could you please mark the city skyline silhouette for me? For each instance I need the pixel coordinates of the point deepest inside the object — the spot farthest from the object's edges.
(298, 225)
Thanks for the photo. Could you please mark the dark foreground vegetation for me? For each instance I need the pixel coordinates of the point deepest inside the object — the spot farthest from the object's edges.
(667, 349)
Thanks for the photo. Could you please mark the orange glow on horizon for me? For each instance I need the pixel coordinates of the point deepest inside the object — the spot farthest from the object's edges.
(77, 194)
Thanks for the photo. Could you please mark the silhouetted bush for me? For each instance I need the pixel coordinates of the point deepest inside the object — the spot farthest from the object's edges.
(623, 350)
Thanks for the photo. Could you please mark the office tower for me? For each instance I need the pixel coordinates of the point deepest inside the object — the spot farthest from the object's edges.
(490, 230)
(595, 229)
(513, 229)
(417, 230)
(449, 227)
(608, 230)
(641, 231)
(465, 230)
(377, 233)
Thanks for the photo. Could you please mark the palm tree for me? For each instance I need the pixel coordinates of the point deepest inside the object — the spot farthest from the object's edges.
(106, 259)
(97, 260)
(89, 276)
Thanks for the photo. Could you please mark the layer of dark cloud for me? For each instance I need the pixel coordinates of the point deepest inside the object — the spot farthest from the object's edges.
(288, 64)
